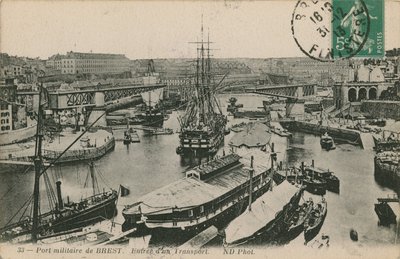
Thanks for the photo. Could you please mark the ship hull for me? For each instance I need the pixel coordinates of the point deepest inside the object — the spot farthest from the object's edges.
(385, 214)
(387, 174)
(315, 187)
(311, 232)
(104, 210)
(327, 144)
(177, 236)
(272, 232)
(201, 147)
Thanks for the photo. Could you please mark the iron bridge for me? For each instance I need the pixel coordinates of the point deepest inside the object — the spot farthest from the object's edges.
(286, 91)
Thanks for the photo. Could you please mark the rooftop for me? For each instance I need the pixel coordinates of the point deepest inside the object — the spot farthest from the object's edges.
(190, 191)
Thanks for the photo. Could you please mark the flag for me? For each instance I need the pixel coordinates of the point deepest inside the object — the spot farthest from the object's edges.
(124, 191)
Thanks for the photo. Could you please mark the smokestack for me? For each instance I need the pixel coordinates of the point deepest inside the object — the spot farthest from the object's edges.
(251, 183)
(59, 197)
(312, 163)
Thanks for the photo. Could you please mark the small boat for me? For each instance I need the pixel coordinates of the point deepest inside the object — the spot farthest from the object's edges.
(378, 122)
(238, 127)
(353, 235)
(127, 137)
(227, 131)
(385, 213)
(66, 216)
(314, 222)
(314, 185)
(265, 220)
(332, 182)
(160, 131)
(302, 213)
(281, 132)
(327, 142)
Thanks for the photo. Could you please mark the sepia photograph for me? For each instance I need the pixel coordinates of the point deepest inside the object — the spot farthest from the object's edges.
(200, 129)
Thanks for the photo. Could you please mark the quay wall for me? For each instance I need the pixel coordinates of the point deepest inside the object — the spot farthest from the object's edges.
(81, 154)
(382, 109)
(348, 135)
(19, 135)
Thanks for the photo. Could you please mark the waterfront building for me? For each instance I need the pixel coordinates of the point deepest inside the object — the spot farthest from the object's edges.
(12, 70)
(7, 93)
(5, 116)
(89, 63)
(365, 83)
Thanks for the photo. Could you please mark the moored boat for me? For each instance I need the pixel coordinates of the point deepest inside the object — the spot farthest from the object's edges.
(66, 216)
(315, 186)
(332, 182)
(127, 137)
(266, 218)
(385, 212)
(281, 132)
(314, 222)
(297, 225)
(210, 194)
(160, 131)
(327, 142)
(203, 124)
(62, 216)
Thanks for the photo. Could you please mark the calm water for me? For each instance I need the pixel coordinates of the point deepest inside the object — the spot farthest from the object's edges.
(153, 163)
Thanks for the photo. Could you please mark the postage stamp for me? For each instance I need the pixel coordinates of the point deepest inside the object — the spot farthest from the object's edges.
(338, 29)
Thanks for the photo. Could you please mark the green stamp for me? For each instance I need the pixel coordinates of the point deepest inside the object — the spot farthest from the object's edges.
(337, 29)
(358, 27)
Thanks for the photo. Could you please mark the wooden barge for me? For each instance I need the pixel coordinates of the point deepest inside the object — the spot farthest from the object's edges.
(387, 169)
(211, 194)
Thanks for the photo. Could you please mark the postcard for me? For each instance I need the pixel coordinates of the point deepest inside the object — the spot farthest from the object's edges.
(200, 129)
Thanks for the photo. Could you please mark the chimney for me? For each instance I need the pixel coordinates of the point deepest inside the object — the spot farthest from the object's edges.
(251, 183)
(59, 197)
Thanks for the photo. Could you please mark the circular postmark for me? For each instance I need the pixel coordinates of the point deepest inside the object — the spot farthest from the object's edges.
(329, 30)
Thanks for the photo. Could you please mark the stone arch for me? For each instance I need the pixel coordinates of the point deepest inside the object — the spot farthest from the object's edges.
(352, 95)
(362, 94)
(372, 93)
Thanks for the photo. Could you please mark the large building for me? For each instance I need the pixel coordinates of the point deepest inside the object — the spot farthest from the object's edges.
(8, 93)
(89, 63)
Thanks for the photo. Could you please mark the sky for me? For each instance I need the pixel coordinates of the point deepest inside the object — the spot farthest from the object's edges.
(158, 29)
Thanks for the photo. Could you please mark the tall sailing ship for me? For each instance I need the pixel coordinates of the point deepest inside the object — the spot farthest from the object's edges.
(153, 114)
(203, 124)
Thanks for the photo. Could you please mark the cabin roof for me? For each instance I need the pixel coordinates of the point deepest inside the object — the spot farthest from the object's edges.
(216, 164)
(190, 192)
(263, 210)
(254, 135)
(318, 170)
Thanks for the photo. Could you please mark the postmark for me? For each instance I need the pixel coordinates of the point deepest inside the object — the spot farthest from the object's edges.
(338, 29)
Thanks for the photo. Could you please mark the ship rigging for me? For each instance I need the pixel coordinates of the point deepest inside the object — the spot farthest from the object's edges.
(203, 124)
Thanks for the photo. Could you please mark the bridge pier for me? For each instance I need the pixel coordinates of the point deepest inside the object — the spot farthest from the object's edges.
(295, 108)
(98, 111)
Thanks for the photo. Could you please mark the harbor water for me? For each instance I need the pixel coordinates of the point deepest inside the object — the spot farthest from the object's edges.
(153, 163)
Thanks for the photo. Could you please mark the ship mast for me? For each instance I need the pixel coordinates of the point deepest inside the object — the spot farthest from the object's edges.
(38, 162)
